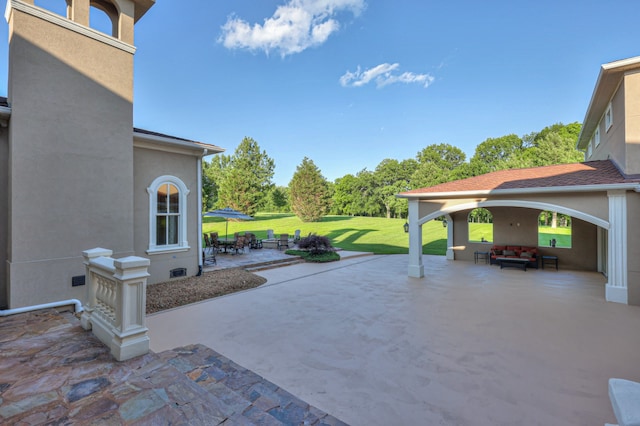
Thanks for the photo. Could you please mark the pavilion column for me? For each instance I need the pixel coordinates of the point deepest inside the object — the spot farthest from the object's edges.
(616, 289)
(416, 268)
(450, 252)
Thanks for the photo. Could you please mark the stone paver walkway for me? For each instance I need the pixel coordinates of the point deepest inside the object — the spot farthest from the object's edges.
(54, 372)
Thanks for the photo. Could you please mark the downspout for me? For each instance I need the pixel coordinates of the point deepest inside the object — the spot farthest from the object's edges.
(75, 302)
(200, 264)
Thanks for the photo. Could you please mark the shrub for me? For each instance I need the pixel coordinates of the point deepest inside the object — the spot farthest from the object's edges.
(315, 244)
(327, 256)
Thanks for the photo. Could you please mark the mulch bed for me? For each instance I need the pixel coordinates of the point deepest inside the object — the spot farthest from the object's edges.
(171, 294)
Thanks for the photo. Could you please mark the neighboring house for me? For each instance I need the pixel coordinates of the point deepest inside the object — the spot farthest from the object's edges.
(601, 195)
(74, 173)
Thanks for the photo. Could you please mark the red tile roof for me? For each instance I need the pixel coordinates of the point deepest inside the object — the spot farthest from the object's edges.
(602, 172)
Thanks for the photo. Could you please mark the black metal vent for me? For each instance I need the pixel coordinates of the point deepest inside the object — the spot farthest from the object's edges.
(178, 272)
(77, 281)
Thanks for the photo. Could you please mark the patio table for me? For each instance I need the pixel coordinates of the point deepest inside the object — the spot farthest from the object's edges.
(224, 243)
(511, 261)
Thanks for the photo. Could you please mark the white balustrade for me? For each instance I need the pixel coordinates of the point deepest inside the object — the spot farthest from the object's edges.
(115, 305)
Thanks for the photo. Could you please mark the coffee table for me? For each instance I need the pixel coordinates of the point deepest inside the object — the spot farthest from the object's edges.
(512, 261)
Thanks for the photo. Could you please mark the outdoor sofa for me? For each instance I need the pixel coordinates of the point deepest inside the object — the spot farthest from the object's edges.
(523, 252)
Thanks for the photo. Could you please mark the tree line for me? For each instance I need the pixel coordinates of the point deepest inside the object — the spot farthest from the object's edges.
(243, 180)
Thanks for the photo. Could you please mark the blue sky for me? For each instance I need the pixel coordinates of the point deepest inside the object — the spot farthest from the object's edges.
(349, 83)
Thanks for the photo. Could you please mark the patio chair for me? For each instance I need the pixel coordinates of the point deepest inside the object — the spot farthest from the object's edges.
(208, 246)
(254, 242)
(210, 258)
(214, 240)
(296, 236)
(270, 235)
(283, 241)
(239, 245)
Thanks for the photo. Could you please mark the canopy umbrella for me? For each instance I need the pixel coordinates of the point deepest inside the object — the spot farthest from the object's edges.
(228, 213)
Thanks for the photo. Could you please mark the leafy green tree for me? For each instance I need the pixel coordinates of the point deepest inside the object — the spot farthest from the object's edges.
(277, 200)
(392, 177)
(429, 174)
(445, 156)
(555, 144)
(367, 200)
(497, 154)
(309, 192)
(212, 174)
(436, 163)
(346, 196)
(247, 178)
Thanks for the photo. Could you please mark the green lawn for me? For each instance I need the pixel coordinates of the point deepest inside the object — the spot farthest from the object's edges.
(477, 231)
(369, 234)
(547, 233)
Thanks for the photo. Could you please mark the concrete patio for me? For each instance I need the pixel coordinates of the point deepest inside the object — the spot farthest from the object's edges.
(469, 344)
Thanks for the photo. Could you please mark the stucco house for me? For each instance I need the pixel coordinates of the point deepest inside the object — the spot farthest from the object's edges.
(601, 195)
(74, 172)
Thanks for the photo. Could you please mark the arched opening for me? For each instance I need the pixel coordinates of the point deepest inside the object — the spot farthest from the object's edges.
(59, 7)
(480, 221)
(103, 17)
(554, 229)
(100, 21)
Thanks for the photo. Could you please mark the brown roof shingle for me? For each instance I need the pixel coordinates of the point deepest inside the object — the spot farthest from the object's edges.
(603, 172)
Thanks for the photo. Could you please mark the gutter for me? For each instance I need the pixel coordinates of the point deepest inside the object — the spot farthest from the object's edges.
(76, 302)
(522, 191)
(5, 115)
(200, 262)
(193, 146)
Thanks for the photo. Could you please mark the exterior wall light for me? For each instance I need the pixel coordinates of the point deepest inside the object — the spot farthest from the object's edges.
(406, 227)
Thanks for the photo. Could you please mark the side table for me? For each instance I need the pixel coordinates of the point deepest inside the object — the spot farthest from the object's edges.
(480, 255)
(550, 259)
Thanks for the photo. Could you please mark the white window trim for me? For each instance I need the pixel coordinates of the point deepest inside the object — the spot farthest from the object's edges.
(183, 244)
(608, 118)
(596, 136)
(590, 147)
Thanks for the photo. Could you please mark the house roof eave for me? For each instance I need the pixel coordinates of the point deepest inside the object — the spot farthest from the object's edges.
(607, 83)
(155, 138)
(633, 186)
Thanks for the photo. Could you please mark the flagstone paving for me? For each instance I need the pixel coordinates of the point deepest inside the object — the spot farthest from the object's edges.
(54, 372)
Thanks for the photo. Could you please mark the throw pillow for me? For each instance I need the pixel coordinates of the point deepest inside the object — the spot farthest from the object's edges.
(497, 252)
(509, 253)
(526, 255)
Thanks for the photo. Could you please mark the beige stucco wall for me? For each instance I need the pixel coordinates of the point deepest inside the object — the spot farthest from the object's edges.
(149, 165)
(592, 203)
(621, 142)
(71, 164)
(633, 248)
(4, 183)
(612, 142)
(519, 226)
(632, 121)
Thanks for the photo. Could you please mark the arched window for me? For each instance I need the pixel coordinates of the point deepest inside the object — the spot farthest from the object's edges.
(480, 225)
(167, 214)
(554, 230)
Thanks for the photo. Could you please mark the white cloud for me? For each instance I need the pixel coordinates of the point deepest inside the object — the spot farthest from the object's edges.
(294, 27)
(383, 75)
